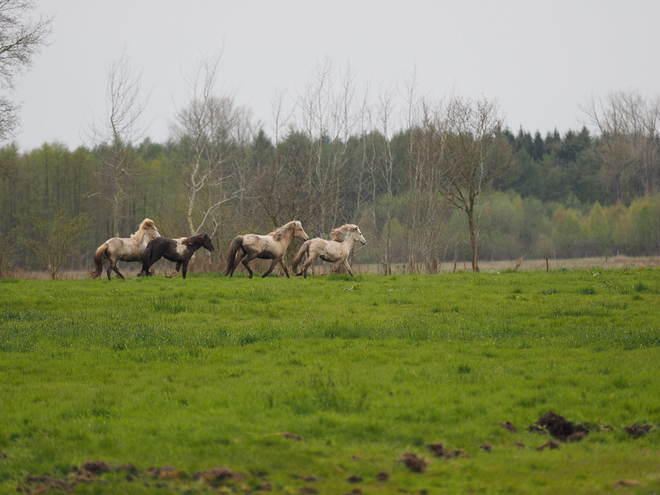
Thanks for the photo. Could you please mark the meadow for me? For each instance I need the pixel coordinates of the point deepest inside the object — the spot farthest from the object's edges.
(332, 384)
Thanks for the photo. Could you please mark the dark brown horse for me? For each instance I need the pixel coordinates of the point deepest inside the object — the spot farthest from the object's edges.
(269, 247)
(178, 250)
(124, 249)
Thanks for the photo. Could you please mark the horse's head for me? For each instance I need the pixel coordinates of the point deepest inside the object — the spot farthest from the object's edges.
(357, 235)
(203, 240)
(349, 232)
(206, 242)
(148, 230)
(298, 231)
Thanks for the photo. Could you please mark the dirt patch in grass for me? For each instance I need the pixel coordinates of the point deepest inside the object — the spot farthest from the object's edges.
(382, 476)
(536, 429)
(508, 426)
(43, 484)
(413, 462)
(549, 445)
(95, 467)
(562, 429)
(165, 473)
(439, 450)
(636, 430)
(292, 436)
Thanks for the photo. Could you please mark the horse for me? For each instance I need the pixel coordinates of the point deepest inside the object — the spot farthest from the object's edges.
(335, 250)
(178, 250)
(270, 247)
(124, 249)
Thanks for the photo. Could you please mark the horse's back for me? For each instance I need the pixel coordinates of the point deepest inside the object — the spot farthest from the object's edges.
(328, 250)
(265, 246)
(124, 249)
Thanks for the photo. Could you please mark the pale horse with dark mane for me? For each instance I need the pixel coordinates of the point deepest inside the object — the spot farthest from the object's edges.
(124, 249)
(247, 247)
(177, 250)
(335, 250)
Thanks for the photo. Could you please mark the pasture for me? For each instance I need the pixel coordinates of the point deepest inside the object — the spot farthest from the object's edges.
(322, 385)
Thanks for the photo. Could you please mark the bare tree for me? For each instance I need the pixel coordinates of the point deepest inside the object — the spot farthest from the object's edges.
(52, 241)
(20, 39)
(474, 155)
(114, 137)
(328, 119)
(629, 147)
(208, 126)
(380, 163)
(283, 183)
(426, 216)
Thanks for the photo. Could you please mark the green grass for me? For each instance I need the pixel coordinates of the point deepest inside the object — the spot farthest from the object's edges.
(209, 371)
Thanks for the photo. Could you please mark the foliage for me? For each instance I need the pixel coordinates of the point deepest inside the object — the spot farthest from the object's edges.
(52, 241)
(562, 195)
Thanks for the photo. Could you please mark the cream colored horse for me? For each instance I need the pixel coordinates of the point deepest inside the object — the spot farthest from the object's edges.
(124, 249)
(270, 247)
(335, 250)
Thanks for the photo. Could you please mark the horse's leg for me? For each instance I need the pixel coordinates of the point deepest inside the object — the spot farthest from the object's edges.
(284, 267)
(272, 265)
(184, 265)
(348, 267)
(310, 259)
(176, 270)
(239, 257)
(116, 270)
(337, 265)
(245, 262)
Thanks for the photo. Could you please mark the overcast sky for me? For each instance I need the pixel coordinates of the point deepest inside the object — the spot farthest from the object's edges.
(540, 60)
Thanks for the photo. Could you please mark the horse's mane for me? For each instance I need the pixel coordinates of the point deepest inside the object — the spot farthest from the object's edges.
(147, 224)
(339, 234)
(277, 234)
(195, 239)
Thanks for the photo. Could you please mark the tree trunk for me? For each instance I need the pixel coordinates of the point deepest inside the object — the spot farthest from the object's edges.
(473, 241)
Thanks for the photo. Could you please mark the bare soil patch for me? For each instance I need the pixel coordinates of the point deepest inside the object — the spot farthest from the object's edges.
(562, 429)
(636, 430)
(413, 462)
(439, 450)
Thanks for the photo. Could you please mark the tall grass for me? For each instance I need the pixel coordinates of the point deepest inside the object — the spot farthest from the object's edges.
(211, 371)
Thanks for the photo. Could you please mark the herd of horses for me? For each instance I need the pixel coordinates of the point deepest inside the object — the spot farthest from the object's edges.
(146, 246)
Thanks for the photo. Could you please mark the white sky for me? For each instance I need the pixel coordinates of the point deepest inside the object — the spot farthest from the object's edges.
(538, 59)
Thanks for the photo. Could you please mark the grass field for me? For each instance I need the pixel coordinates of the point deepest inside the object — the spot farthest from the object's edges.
(322, 385)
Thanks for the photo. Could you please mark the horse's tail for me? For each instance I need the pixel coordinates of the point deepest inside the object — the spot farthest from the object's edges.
(299, 256)
(98, 260)
(236, 244)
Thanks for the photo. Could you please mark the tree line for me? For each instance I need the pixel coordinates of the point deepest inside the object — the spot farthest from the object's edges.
(428, 181)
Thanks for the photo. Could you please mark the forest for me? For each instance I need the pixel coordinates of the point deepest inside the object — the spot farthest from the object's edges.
(428, 182)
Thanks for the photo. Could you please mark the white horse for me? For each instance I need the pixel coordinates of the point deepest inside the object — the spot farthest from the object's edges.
(247, 247)
(335, 250)
(124, 249)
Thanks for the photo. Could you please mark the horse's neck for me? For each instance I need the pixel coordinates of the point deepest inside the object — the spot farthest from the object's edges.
(142, 242)
(140, 237)
(287, 237)
(193, 247)
(347, 244)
